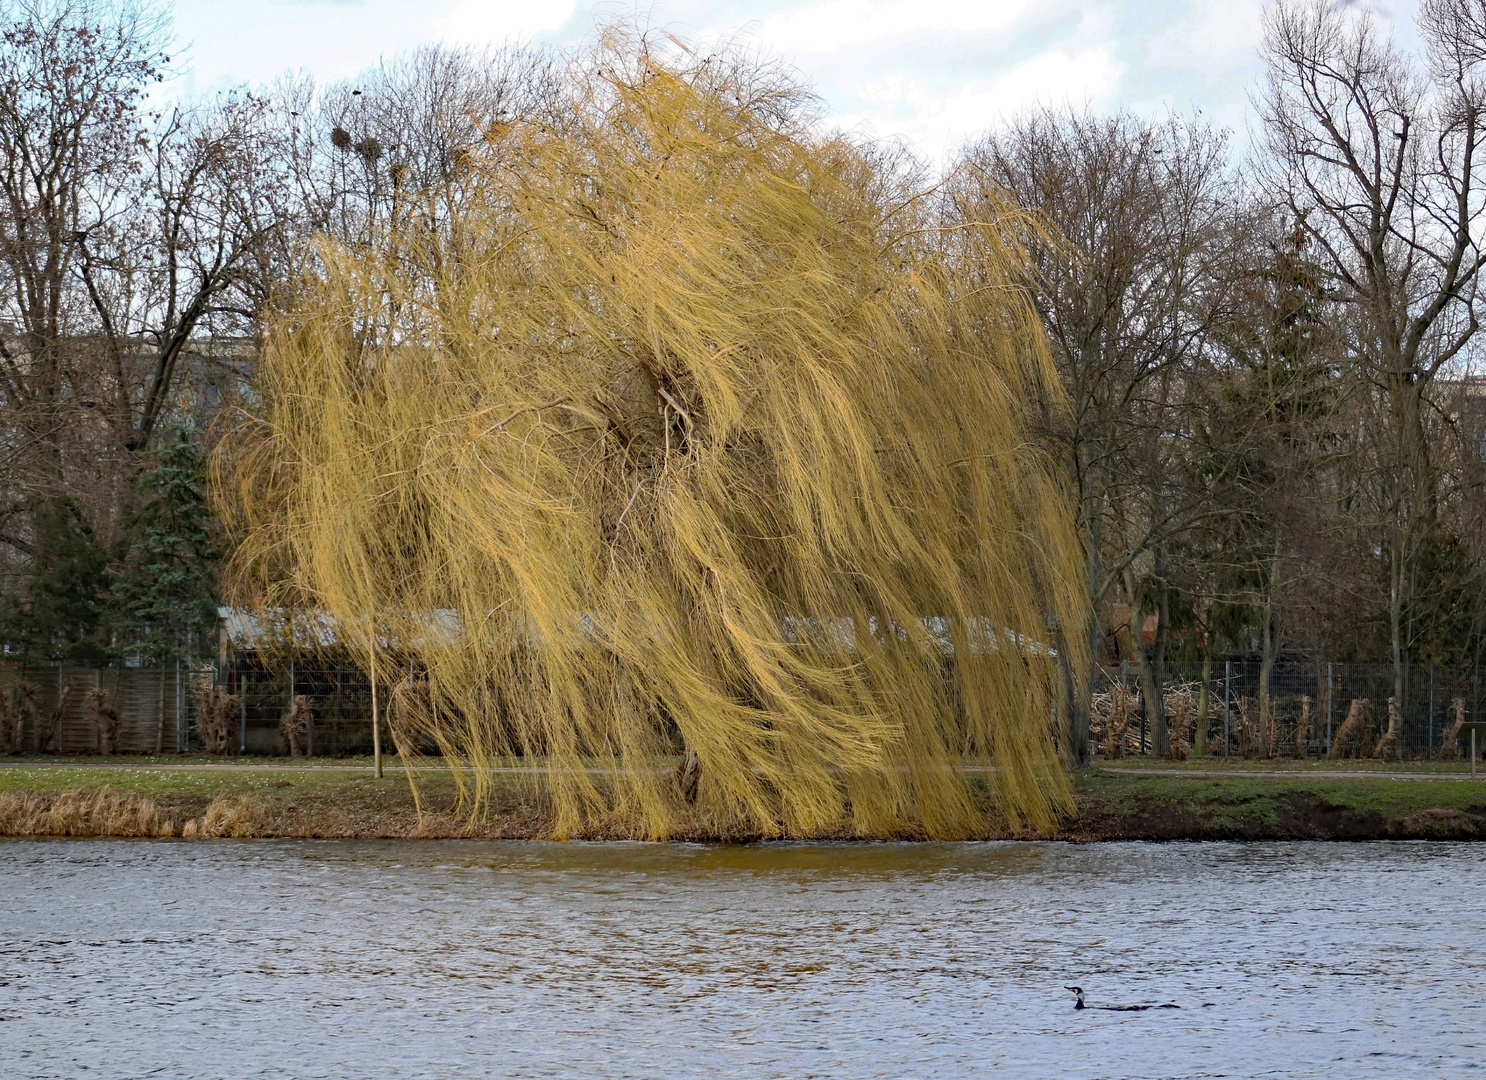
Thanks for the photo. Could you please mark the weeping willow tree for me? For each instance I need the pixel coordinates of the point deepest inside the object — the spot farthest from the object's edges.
(689, 433)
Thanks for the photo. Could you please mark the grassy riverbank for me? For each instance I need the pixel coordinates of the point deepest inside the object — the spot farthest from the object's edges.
(1135, 799)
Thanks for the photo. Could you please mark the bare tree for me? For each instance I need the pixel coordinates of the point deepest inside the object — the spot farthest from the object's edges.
(1272, 436)
(1376, 154)
(71, 76)
(402, 135)
(1137, 208)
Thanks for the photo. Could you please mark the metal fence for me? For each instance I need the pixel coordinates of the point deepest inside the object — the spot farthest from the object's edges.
(61, 707)
(339, 698)
(1435, 698)
(67, 708)
(1310, 701)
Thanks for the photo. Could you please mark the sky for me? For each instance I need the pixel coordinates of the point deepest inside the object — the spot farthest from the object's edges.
(933, 72)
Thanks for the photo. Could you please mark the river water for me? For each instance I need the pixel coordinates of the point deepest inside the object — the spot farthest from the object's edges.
(473, 959)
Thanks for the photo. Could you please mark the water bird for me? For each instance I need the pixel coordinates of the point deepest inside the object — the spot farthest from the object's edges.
(1078, 1003)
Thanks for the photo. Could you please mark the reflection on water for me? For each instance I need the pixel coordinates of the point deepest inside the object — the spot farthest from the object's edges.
(396, 959)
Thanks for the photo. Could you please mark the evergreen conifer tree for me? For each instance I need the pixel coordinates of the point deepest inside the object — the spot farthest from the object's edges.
(166, 589)
(57, 613)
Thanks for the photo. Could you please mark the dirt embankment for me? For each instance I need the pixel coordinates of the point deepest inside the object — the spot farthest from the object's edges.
(1110, 806)
(109, 811)
(1178, 805)
(1290, 815)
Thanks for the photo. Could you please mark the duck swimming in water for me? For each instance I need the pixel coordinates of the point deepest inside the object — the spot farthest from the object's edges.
(1078, 1003)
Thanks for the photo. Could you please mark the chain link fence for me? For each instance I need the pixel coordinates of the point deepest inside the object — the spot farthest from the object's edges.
(1315, 709)
(183, 707)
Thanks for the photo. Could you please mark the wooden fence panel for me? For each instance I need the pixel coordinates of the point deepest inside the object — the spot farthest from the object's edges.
(144, 697)
(78, 731)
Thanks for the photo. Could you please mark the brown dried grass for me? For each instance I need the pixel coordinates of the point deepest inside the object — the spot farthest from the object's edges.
(1111, 715)
(1356, 728)
(294, 725)
(238, 817)
(1302, 727)
(1390, 737)
(1181, 718)
(49, 733)
(1450, 741)
(106, 811)
(216, 709)
(106, 719)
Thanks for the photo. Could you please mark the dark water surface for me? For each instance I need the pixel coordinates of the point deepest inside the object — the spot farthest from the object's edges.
(473, 959)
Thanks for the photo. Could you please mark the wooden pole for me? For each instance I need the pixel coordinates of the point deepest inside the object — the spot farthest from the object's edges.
(376, 721)
(1473, 753)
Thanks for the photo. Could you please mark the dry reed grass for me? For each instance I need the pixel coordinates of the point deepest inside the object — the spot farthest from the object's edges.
(1302, 727)
(49, 732)
(103, 812)
(216, 716)
(1356, 729)
(225, 816)
(1181, 714)
(1247, 729)
(1110, 716)
(106, 720)
(692, 429)
(1450, 739)
(294, 725)
(1389, 741)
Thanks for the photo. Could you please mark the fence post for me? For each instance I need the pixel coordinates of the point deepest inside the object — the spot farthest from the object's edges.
(1327, 710)
(180, 740)
(1227, 696)
(1429, 749)
(160, 731)
(242, 693)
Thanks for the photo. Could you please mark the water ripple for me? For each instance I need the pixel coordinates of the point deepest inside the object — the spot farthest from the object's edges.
(394, 959)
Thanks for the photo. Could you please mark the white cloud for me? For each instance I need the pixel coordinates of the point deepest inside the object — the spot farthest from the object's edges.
(837, 24)
(1056, 78)
(482, 21)
(1216, 35)
(937, 123)
(933, 71)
